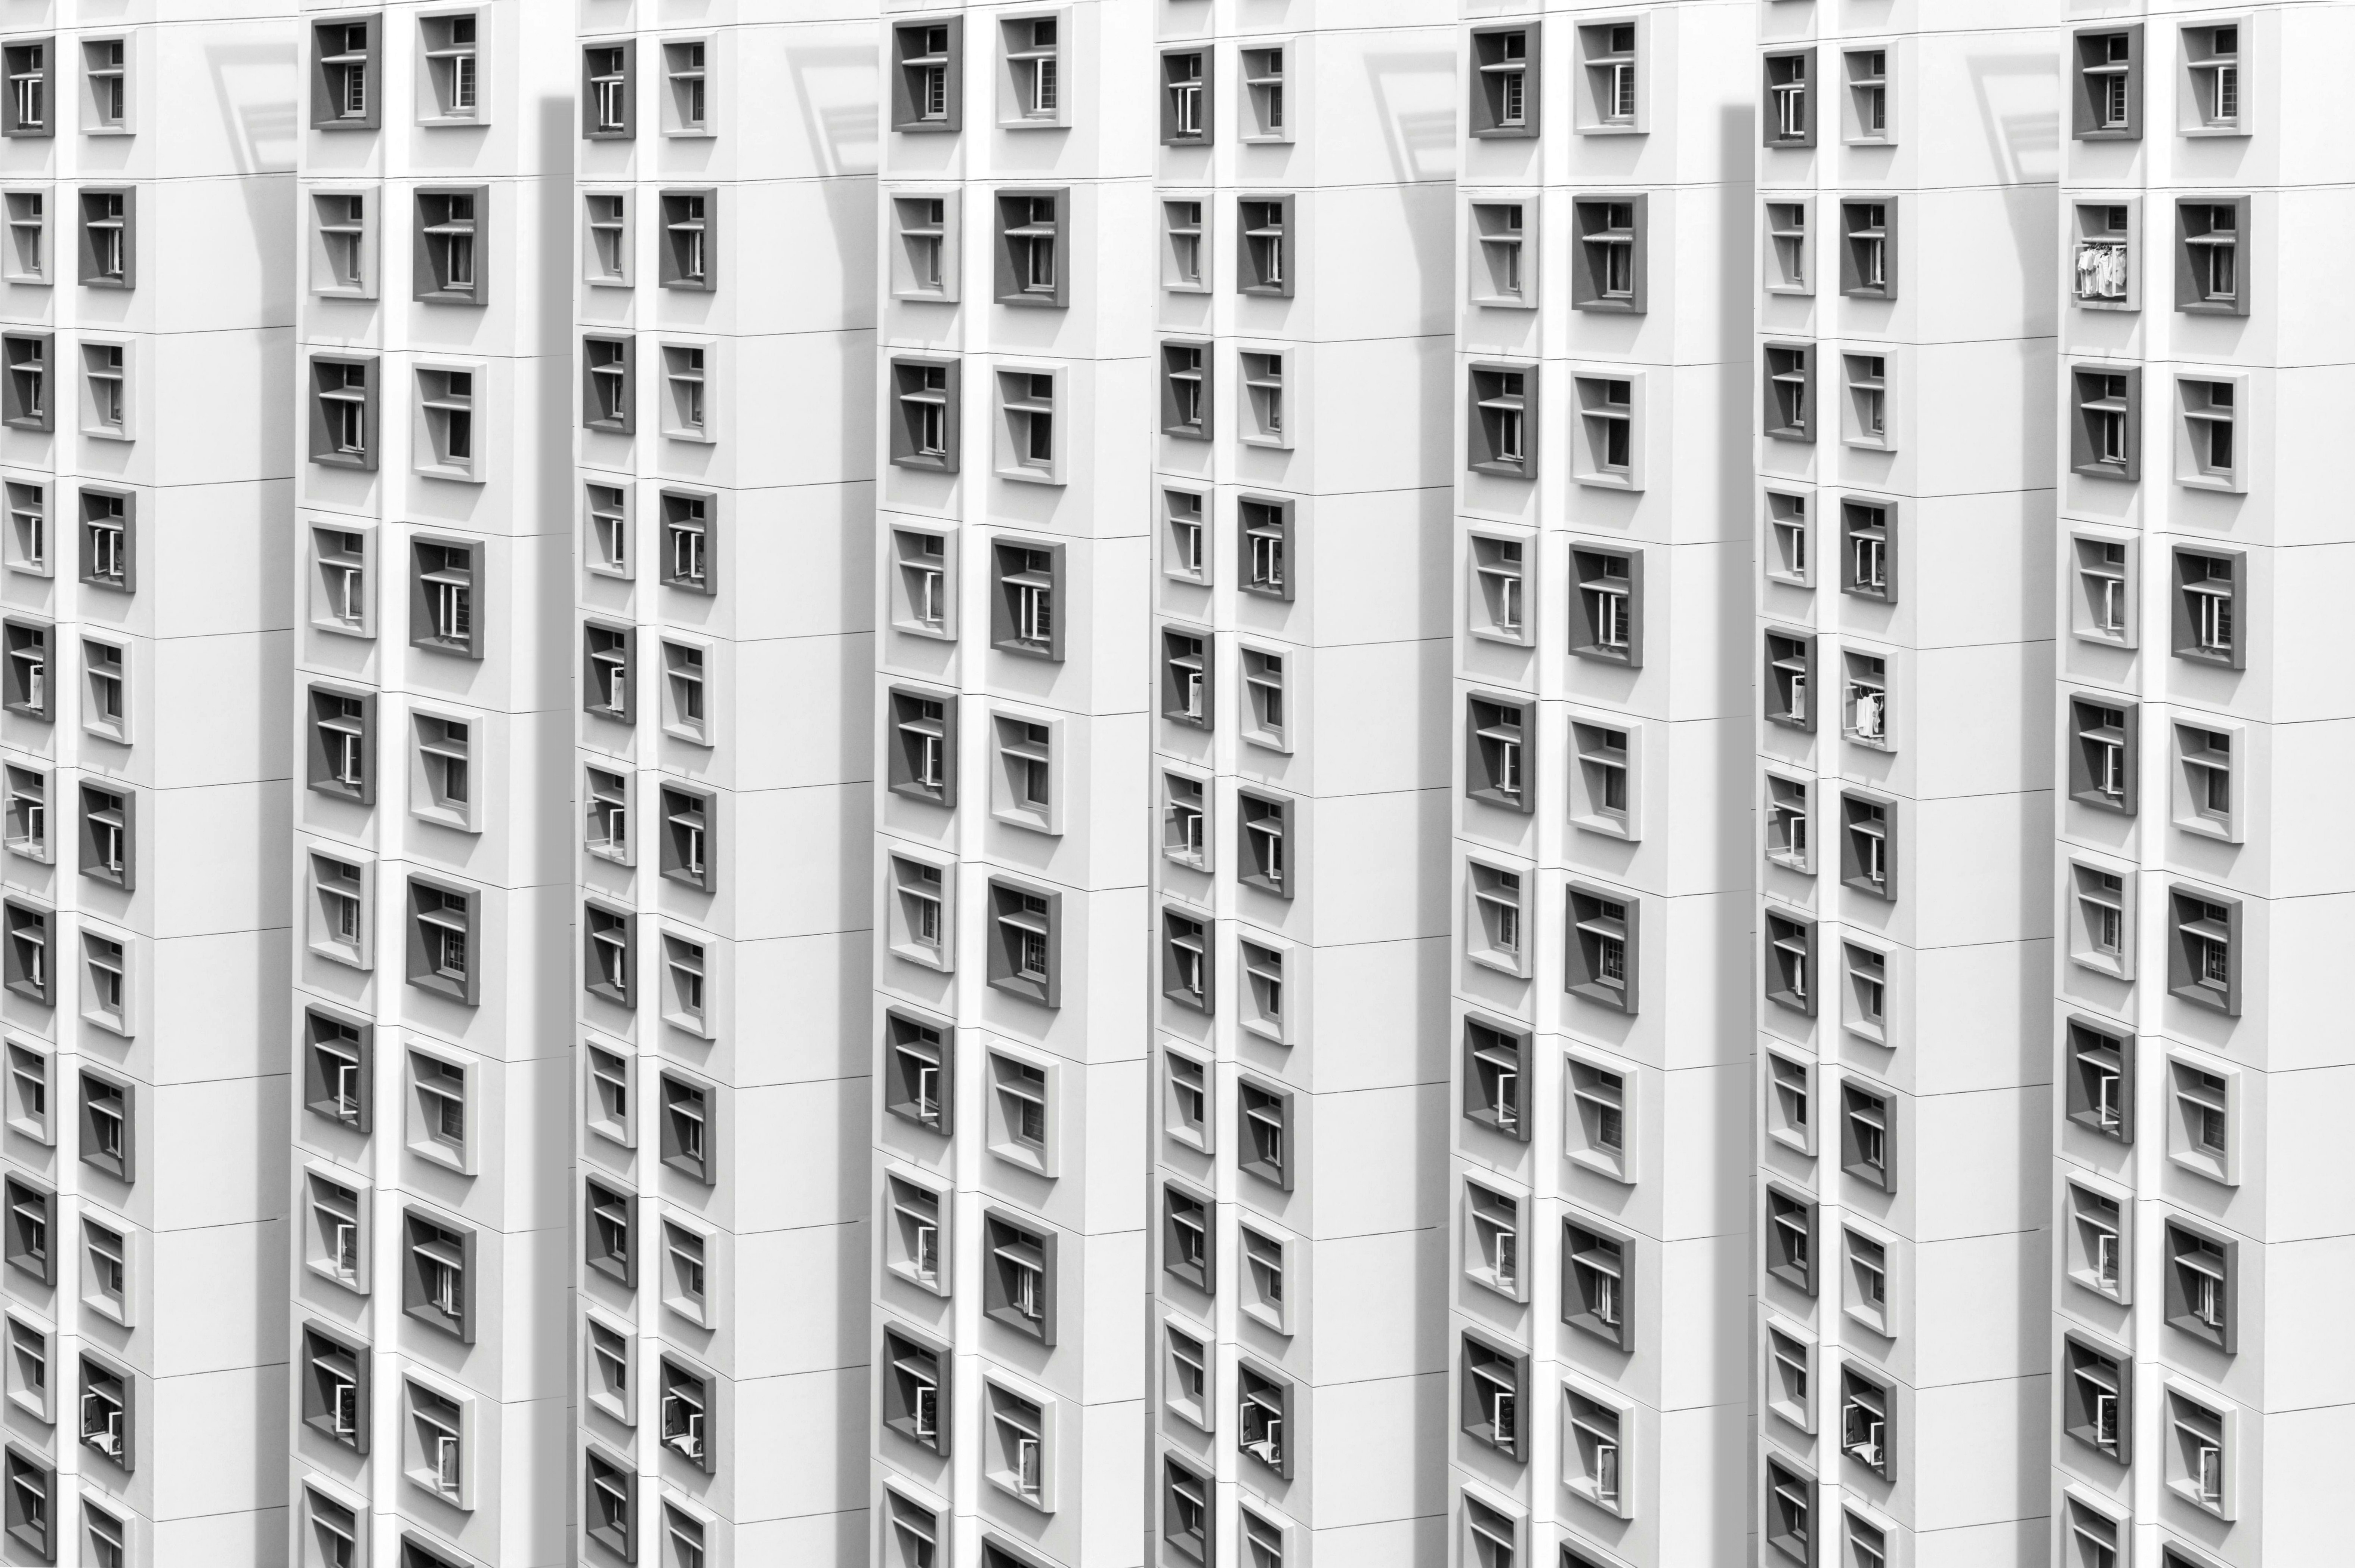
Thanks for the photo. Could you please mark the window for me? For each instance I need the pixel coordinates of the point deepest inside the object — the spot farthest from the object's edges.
(1868, 1408)
(1186, 391)
(1867, 1013)
(1791, 961)
(1027, 444)
(2202, 1282)
(1032, 91)
(921, 757)
(687, 413)
(1790, 391)
(443, 922)
(108, 230)
(1609, 266)
(445, 576)
(2097, 1395)
(1868, 548)
(608, 91)
(606, 823)
(922, 922)
(1186, 1100)
(445, 411)
(2206, 606)
(1598, 1282)
(1504, 257)
(1492, 1240)
(1499, 590)
(2103, 754)
(1601, 953)
(1023, 611)
(1186, 100)
(924, 600)
(336, 1071)
(686, 682)
(690, 239)
(1504, 81)
(1869, 844)
(341, 598)
(609, 1242)
(450, 224)
(2102, 923)
(1869, 1133)
(28, 1090)
(609, 394)
(923, 263)
(438, 1274)
(452, 56)
(2098, 1241)
(1790, 1374)
(106, 975)
(2212, 265)
(106, 706)
(925, 433)
(1791, 1239)
(1185, 238)
(343, 81)
(1264, 253)
(685, 969)
(609, 1514)
(1187, 975)
(1497, 756)
(928, 87)
(28, 812)
(27, 404)
(334, 1388)
(335, 1532)
(687, 77)
(1496, 1077)
(1868, 399)
(2215, 104)
(608, 941)
(2103, 609)
(1186, 1239)
(1263, 108)
(1869, 249)
(606, 656)
(2105, 438)
(2107, 104)
(1599, 1130)
(920, 1071)
(1791, 679)
(343, 413)
(1608, 626)
(1266, 698)
(2199, 1450)
(687, 831)
(2094, 1537)
(1030, 252)
(1611, 90)
(1187, 684)
(1595, 1439)
(1609, 446)
(2100, 1080)
(687, 1395)
(1266, 547)
(1018, 1280)
(1496, 933)
(2204, 959)
(1021, 1130)
(1025, 938)
(28, 970)
(1790, 117)
(109, 1127)
(28, 539)
(1500, 435)
(2204, 1097)
(1494, 1388)
(1790, 269)
(1787, 555)
(1260, 413)
(913, 1238)
(1187, 1523)
(607, 242)
(31, 1227)
(2102, 266)
(31, 1352)
(1868, 120)
(32, 71)
(1264, 1406)
(108, 540)
(2207, 432)
(440, 1125)
(106, 400)
(917, 1530)
(108, 1425)
(1264, 1126)
(2205, 801)
(342, 743)
(336, 1243)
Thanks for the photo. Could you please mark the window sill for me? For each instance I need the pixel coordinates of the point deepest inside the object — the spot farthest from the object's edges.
(1796, 437)
(25, 279)
(1030, 476)
(2214, 483)
(109, 1022)
(688, 1023)
(29, 853)
(2111, 305)
(349, 958)
(911, 953)
(2116, 968)
(2190, 1494)
(1792, 1141)
(448, 1159)
(452, 474)
(2208, 1170)
(2215, 132)
(1877, 1323)
(908, 1274)
(1271, 1033)
(2089, 1282)
(1516, 968)
(2202, 827)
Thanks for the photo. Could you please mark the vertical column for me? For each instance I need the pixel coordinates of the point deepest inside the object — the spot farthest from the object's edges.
(427, 248)
(1300, 234)
(1601, 870)
(1905, 511)
(1009, 712)
(147, 342)
(724, 222)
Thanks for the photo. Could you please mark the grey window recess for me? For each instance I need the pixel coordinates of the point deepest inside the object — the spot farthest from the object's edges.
(452, 245)
(2104, 735)
(928, 78)
(343, 412)
(1869, 844)
(30, 956)
(1184, 552)
(1790, 681)
(1494, 1388)
(1506, 98)
(1603, 949)
(31, 65)
(1608, 626)
(110, 1127)
(1188, 1249)
(1790, 961)
(608, 1506)
(609, 953)
(916, 1390)
(1500, 589)
(1186, 391)
(439, 1278)
(690, 541)
(346, 81)
(30, 686)
(338, 1056)
(608, 656)
(1790, 103)
(107, 392)
(109, 845)
(689, 1140)
(1869, 249)
(1018, 1274)
(2206, 610)
(1500, 754)
(109, 539)
(27, 808)
(923, 756)
(335, 1377)
(1790, 391)
(109, 1424)
(1026, 613)
(2213, 265)
(609, 383)
(1263, 543)
(2105, 437)
(690, 239)
(2203, 1284)
(609, 1236)
(1869, 1133)
(342, 743)
(445, 585)
(920, 1071)
(1032, 253)
(1497, 1080)
(28, 398)
(2210, 446)
(1610, 446)
(609, 79)
(2206, 949)
(1869, 550)
(32, 1228)
(1613, 255)
(1266, 847)
(1264, 1129)
(1864, 700)
(2107, 78)
(1867, 1421)
(2098, 1396)
(2102, 263)
(688, 828)
(445, 939)
(1598, 1295)
(1024, 942)
(27, 259)
(1791, 1226)
(925, 427)
(109, 230)
(1187, 962)
(688, 1401)
(1501, 429)
(1265, 241)
(1188, 106)
(1188, 689)
(1186, 1520)
(28, 542)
